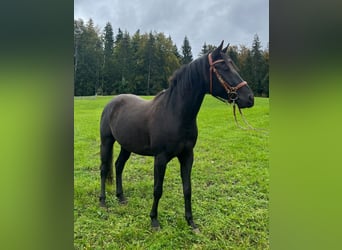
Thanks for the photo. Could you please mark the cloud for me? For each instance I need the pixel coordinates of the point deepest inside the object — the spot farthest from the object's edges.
(234, 21)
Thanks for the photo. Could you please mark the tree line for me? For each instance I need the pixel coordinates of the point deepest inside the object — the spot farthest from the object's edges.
(141, 64)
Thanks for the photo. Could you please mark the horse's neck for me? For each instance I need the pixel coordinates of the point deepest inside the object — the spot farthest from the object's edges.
(187, 100)
(189, 106)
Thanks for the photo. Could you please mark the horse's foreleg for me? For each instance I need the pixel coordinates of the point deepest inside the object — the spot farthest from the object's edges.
(159, 172)
(186, 160)
(119, 166)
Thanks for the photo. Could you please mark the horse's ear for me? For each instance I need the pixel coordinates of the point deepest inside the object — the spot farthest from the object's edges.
(225, 49)
(216, 52)
(221, 45)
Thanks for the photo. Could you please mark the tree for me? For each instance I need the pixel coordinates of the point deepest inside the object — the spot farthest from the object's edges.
(186, 51)
(78, 30)
(253, 65)
(233, 53)
(206, 49)
(257, 62)
(143, 63)
(88, 59)
(108, 40)
(245, 65)
(166, 61)
(150, 55)
(122, 57)
(134, 78)
(176, 53)
(265, 79)
(108, 63)
(260, 67)
(118, 37)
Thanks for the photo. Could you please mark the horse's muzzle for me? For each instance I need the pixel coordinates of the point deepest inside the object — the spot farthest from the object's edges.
(250, 100)
(246, 103)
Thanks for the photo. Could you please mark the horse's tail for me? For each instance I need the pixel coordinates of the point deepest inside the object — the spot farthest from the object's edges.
(107, 160)
(107, 142)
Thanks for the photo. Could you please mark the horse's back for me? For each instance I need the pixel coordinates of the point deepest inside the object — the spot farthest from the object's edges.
(124, 102)
(126, 99)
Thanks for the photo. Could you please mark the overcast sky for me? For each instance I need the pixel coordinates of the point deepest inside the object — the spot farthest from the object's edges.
(211, 21)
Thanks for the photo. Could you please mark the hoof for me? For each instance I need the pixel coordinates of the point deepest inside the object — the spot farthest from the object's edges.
(103, 203)
(156, 229)
(155, 225)
(196, 230)
(122, 199)
(104, 207)
(123, 202)
(194, 227)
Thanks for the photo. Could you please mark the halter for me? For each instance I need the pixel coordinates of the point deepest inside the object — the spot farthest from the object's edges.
(231, 91)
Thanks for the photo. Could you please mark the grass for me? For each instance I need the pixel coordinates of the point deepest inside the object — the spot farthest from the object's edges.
(230, 183)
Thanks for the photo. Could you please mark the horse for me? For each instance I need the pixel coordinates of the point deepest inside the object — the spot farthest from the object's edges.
(165, 127)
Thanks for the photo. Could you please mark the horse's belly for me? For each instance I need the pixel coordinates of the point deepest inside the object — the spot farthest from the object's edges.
(138, 148)
(133, 138)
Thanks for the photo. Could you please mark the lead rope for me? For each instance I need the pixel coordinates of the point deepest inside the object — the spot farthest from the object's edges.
(249, 127)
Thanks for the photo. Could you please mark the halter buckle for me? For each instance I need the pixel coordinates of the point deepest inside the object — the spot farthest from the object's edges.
(233, 95)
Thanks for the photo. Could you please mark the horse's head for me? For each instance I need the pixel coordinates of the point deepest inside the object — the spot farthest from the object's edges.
(225, 81)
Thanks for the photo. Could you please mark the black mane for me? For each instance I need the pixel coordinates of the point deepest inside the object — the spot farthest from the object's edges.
(178, 76)
(187, 76)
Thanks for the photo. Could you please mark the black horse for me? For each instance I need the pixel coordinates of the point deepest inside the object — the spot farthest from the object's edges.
(165, 127)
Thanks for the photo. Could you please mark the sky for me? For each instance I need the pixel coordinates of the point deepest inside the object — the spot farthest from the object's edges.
(211, 21)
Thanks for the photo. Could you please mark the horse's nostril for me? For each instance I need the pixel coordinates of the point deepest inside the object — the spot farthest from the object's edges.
(251, 99)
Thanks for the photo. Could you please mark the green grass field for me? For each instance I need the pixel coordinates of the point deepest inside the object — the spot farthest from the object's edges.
(230, 184)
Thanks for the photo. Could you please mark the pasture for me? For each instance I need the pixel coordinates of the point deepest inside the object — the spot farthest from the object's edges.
(230, 184)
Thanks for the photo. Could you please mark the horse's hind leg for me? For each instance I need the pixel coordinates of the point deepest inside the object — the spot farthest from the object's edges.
(106, 165)
(119, 166)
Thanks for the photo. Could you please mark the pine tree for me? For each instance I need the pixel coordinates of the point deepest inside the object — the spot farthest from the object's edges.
(135, 69)
(150, 50)
(265, 79)
(176, 53)
(245, 66)
(89, 54)
(186, 51)
(108, 40)
(257, 64)
(107, 69)
(118, 37)
(204, 49)
(122, 57)
(233, 53)
(78, 30)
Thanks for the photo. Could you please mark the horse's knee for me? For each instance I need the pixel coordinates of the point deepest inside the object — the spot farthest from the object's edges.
(187, 191)
(157, 193)
(104, 171)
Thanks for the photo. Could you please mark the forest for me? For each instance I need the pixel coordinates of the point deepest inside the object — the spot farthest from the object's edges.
(108, 64)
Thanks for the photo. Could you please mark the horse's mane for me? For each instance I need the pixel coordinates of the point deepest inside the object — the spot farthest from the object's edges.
(184, 78)
(178, 76)
(175, 81)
